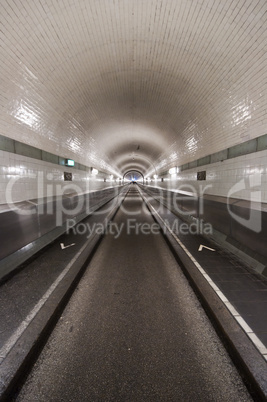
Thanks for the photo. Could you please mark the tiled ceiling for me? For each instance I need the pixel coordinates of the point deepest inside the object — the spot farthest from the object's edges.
(133, 84)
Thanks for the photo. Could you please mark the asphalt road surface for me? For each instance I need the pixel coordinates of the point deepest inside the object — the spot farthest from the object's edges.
(133, 329)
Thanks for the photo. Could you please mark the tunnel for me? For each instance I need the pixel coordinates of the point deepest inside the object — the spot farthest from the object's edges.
(133, 176)
(134, 119)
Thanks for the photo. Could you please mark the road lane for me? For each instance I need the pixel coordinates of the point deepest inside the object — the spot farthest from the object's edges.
(134, 330)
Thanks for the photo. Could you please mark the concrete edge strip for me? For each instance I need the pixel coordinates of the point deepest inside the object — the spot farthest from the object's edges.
(10, 345)
(10, 263)
(17, 334)
(249, 360)
(250, 333)
(249, 259)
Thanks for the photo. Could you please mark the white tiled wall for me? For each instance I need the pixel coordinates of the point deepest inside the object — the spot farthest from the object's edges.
(249, 172)
(23, 178)
(108, 83)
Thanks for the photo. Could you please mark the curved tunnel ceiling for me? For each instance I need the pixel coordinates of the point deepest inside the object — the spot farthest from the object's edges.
(133, 84)
(133, 175)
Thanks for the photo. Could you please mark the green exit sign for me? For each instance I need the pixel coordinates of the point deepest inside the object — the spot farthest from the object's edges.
(70, 162)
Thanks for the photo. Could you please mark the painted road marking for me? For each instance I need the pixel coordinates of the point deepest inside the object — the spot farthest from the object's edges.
(6, 348)
(250, 333)
(63, 247)
(19, 331)
(202, 246)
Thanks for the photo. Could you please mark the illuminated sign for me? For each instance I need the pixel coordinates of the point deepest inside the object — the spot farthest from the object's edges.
(69, 162)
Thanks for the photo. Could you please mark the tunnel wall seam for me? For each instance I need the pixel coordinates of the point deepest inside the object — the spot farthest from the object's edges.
(33, 179)
(244, 148)
(239, 177)
(20, 148)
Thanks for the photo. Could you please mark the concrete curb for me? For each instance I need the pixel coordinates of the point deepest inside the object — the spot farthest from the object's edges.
(250, 363)
(26, 350)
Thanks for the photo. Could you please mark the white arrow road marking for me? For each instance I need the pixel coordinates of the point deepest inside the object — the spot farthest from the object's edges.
(259, 345)
(201, 247)
(63, 247)
(19, 331)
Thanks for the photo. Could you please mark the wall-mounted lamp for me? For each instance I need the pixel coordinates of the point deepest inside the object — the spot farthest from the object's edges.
(173, 170)
(94, 171)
